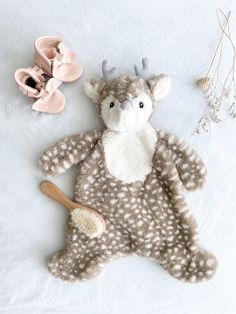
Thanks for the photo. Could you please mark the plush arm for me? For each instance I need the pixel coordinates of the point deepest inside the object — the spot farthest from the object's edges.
(67, 152)
(190, 167)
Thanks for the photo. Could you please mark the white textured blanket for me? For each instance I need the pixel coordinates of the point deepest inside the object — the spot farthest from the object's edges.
(178, 37)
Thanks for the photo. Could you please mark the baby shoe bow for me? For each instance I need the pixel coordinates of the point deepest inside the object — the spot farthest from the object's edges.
(50, 87)
(46, 95)
(50, 99)
(65, 56)
(56, 59)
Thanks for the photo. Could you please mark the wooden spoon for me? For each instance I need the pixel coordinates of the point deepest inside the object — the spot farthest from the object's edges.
(85, 218)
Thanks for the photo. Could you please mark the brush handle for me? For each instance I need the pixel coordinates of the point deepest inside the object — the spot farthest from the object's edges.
(51, 190)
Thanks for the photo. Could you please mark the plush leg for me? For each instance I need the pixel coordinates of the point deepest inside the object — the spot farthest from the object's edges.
(82, 267)
(186, 265)
(177, 250)
(83, 258)
(182, 263)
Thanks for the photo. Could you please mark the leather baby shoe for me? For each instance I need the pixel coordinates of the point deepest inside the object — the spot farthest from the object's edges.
(56, 59)
(33, 83)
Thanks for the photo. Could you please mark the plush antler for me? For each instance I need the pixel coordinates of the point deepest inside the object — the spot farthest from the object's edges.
(108, 75)
(144, 72)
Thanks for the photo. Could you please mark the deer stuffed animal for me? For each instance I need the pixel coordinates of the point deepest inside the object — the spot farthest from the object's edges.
(133, 175)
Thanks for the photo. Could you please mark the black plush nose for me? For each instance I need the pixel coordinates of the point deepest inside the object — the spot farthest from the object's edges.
(126, 105)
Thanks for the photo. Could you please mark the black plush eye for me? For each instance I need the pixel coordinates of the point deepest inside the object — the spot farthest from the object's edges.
(141, 104)
(112, 104)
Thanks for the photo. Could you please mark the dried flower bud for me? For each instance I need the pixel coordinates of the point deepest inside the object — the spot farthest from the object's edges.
(204, 83)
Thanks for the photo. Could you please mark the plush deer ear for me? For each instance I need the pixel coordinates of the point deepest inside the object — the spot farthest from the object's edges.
(92, 88)
(159, 86)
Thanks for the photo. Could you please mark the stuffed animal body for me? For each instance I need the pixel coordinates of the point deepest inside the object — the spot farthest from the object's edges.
(133, 175)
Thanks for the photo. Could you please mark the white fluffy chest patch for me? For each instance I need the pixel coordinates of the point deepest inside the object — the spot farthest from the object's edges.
(128, 155)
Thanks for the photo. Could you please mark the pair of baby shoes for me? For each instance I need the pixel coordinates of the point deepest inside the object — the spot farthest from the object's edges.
(54, 64)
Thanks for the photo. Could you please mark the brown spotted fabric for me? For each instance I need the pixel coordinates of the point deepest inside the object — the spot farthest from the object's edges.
(149, 218)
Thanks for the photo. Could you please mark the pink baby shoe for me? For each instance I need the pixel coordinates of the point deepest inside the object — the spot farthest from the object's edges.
(56, 59)
(47, 97)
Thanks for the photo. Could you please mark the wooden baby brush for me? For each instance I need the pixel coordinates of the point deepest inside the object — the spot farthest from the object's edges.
(86, 219)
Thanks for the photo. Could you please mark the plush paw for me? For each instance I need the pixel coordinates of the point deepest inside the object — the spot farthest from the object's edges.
(200, 267)
(47, 166)
(51, 163)
(193, 175)
(59, 157)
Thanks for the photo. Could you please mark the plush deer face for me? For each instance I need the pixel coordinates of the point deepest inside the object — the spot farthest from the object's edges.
(126, 102)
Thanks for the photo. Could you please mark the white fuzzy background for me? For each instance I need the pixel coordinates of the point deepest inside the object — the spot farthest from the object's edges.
(179, 38)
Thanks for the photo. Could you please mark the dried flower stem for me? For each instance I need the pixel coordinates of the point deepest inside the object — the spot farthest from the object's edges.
(220, 42)
(216, 93)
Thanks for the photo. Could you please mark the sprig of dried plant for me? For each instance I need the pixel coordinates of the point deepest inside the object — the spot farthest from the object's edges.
(218, 94)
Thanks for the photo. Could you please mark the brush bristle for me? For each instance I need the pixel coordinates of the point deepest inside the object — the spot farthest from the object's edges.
(87, 222)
